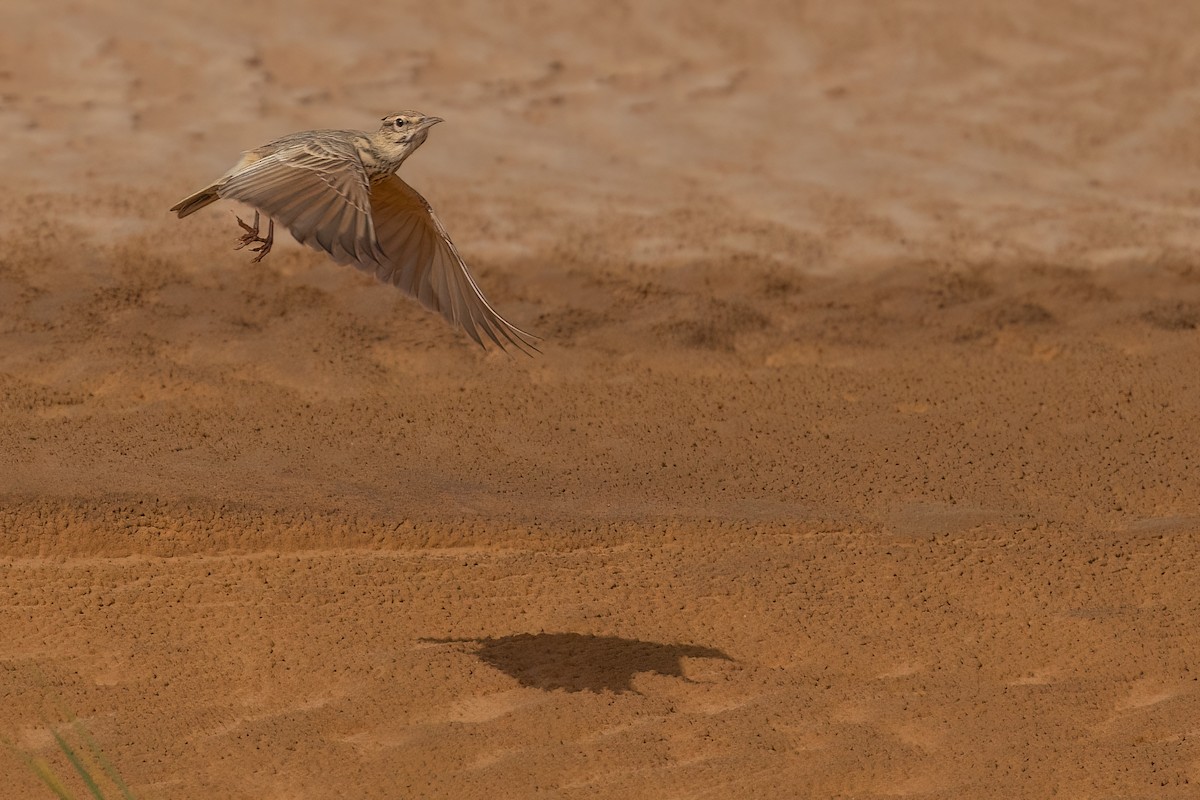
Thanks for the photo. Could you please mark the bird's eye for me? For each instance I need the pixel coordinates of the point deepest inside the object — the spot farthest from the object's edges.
(401, 123)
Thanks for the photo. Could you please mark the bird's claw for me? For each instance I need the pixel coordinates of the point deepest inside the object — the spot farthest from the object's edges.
(251, 237)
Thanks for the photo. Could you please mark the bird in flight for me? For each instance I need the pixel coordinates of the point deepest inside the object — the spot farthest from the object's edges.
(337, 191)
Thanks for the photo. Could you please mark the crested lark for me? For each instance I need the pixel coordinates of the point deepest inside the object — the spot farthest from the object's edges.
(336, 191)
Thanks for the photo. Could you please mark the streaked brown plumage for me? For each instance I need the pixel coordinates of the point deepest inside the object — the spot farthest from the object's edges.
(337, 191)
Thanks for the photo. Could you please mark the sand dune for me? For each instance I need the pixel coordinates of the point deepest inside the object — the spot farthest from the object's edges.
(859, 461)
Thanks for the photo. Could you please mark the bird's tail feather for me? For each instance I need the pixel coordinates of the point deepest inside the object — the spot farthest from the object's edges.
(196, 201)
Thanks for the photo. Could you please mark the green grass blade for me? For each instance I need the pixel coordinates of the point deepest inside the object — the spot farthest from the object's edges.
(40, 768)
(105, 764)
(89, 764)
(78, 765)
(43, 771)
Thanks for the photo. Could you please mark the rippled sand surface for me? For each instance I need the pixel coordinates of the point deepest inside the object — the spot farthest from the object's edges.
(861, 459)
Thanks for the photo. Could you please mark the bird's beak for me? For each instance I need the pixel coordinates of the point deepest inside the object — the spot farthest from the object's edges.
(429, 121)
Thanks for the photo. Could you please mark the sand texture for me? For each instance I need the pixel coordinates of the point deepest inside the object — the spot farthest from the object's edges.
(862, 459)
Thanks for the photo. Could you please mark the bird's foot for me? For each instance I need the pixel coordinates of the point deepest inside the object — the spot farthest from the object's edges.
(251, 237)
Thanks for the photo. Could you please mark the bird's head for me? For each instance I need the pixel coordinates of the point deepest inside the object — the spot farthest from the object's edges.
(406, 130)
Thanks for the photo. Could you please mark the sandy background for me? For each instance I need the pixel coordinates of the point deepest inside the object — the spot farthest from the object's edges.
(861, 460)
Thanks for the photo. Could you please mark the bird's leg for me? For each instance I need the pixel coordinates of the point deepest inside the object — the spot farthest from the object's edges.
(251, 236)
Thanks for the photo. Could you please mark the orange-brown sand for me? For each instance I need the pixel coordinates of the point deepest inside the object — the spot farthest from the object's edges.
(862, 459)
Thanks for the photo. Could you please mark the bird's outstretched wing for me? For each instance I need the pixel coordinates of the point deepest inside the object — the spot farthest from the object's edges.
(420, 259)
(317, 188)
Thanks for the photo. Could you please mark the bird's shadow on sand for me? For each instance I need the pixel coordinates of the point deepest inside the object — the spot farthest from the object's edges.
(579, 662)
